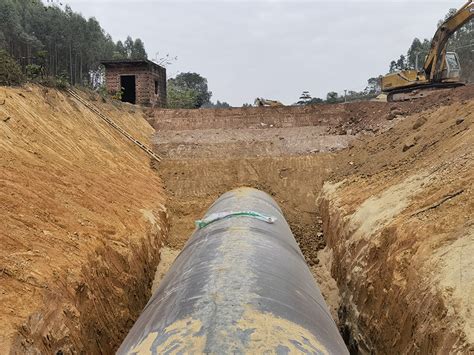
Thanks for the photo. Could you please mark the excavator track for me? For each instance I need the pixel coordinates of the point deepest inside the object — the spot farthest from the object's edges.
(419, 91)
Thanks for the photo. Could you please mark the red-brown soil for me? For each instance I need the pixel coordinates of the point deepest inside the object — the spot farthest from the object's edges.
(83, 219)
(83, 214)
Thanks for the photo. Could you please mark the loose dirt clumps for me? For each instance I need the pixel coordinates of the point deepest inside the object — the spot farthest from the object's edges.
(82, 221)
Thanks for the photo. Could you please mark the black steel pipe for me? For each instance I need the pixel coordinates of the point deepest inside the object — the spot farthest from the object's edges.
(240, 285)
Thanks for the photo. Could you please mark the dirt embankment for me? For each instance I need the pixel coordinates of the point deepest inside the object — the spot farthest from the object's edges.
(340, 119)
(282, 131)
(398, 219)
(82, 218)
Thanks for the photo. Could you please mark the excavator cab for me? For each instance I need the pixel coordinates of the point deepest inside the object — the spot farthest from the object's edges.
(452, 70)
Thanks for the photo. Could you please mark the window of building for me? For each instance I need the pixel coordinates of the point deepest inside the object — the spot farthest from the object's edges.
(156, 87)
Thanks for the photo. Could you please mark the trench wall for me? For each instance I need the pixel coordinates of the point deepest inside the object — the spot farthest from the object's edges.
(398, 222)
(264, 117)
(83, 219)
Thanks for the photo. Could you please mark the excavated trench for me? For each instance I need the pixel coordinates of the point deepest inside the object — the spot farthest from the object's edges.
(379, 223)
(284, 152)
(294, 181)
(395, 212)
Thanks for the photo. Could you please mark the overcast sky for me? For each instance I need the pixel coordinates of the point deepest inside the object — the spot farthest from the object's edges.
(272, 49)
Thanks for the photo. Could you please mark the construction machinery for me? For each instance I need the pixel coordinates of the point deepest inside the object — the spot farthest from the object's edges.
(261, 102)
(440, 70)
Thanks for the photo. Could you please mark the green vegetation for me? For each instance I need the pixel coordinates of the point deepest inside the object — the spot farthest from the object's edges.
(371, 90)
(180, 97)
(220, 104)
(10, 71)
(49, 41)
(306, 99)
(130, 49)
(188, 90)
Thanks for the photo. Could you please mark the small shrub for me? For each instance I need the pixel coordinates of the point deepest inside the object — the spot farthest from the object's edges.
(62, 82)
(57, 82)
(34, 71)
(10, 71)
(102, 91)
(117, 95)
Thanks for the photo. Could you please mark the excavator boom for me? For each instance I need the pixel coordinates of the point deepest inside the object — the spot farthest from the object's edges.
(435, 61)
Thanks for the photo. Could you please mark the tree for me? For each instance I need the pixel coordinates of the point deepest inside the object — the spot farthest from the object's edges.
(52, 41)
(314, 101)
(374, 86)
(218, 104)
(120, 51)
(332, 97)
(402, 63)
(128, 46)
(305, 97)
(393, 66)
(10, 71)
(130, 49)
(416, 53)
(180, 97)
(166, 60)
(138, 50)
(195, 83)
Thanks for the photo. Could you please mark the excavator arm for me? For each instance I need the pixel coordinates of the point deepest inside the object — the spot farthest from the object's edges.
(436, 59)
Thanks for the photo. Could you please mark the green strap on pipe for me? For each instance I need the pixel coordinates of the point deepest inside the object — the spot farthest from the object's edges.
(214, 217)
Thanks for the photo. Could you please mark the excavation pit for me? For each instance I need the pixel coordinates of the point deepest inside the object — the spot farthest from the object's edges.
(393, 249)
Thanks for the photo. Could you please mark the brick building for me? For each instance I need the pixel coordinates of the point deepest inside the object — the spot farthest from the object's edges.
(142, 81)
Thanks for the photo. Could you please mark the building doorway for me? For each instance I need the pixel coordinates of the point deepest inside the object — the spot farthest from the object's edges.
(127, 83)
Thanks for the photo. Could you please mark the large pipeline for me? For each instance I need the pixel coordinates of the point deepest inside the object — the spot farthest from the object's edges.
(240, 285)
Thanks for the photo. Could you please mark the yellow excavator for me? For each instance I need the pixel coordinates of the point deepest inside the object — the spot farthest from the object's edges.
(440, 70)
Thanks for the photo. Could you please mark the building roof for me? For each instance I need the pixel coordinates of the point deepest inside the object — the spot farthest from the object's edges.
(129, 63)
